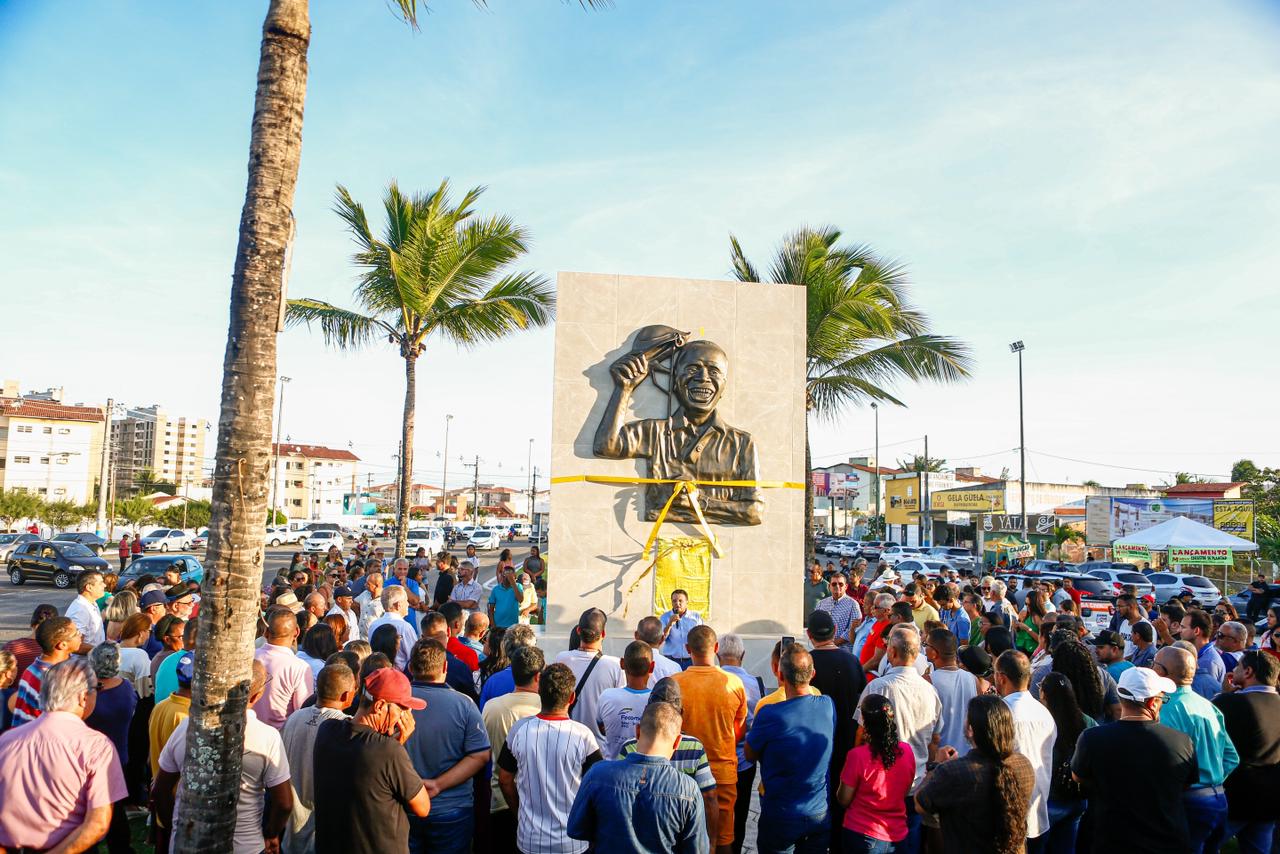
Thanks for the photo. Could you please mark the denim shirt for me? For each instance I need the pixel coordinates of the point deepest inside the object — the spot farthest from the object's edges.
(640, 805)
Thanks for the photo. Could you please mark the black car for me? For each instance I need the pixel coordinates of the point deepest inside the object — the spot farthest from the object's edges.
(92, 542)
(59, 562)
(155, 565)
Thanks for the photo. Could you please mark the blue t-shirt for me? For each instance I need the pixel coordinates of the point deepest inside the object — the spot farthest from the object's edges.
(498, 683)
(448, 729)
(793, 741)
(409, 584)
(506, 605)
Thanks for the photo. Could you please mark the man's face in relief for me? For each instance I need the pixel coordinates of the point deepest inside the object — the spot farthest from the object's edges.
(699, 376)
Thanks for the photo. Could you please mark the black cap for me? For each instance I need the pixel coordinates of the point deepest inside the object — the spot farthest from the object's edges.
(821, 626)
(1106, 637)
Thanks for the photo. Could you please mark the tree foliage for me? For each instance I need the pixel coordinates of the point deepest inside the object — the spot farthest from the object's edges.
(921, 463)
(135, 511)
(18, 504)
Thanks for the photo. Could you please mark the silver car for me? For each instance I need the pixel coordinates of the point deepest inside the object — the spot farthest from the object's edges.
(1170, 584)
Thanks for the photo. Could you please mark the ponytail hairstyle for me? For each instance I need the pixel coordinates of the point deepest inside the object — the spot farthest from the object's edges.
(1073, 661)
(880, 725)
(993, 740)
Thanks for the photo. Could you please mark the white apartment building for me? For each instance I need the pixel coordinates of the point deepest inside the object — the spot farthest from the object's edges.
(171, 447)
(49, 448)
(310, 481)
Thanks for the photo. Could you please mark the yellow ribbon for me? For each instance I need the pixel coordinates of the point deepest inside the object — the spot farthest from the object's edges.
(682, 487)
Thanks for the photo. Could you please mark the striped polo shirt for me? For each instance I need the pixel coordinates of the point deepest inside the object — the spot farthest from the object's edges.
(27, 707)
(690, 757)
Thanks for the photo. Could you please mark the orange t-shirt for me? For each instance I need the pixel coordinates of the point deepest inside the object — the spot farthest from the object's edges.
(715, 712)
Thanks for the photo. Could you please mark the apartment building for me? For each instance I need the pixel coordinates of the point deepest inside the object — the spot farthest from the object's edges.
(49, 448)
(171, 447)
(311, 481)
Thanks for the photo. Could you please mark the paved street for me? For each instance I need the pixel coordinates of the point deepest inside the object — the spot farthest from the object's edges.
(17, 603)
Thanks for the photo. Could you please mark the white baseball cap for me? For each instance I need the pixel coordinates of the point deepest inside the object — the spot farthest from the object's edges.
(1140, 683)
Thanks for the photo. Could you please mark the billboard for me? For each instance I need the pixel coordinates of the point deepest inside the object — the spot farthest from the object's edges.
(1108, 519)
(902, 496)
(968, 500)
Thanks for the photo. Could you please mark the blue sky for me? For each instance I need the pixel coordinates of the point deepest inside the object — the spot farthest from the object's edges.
(1096, 179)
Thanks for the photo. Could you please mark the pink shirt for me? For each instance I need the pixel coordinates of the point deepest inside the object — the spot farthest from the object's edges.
(290, 681)
(53, 771)
(878, 808)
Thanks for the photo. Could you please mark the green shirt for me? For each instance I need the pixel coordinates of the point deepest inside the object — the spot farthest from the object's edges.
(813, 594)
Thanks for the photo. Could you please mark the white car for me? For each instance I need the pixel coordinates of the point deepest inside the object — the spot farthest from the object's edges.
(276, 536)
(322, 541)
(431, 539)
(833, 546)
(1170, 584)
(1120, 578)
(166, 540)
(897, 554)
(10, 542)
(910, 565)
(484, 539)
(849, 548)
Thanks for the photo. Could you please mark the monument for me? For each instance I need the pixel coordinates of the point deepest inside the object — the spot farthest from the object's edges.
(678, 429)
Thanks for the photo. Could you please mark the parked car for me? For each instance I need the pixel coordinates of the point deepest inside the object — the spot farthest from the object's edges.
(871, 551)
(431, 539)
(155, 565)
(282, 534)
(484, 539)
(88, 539)
(1058, 566)
(833, 545)
(10, 542)
(1121, 578)
(45, 560)
(1091, 565)
(1096, 614)
(201, 539)
(1170, 584)
(322, 541)
(896, 554)
(166, 540)
(951, 554)
(910, 565)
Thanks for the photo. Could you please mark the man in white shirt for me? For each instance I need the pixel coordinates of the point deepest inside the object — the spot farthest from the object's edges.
(370, 602)
(1034, 732)
(342, 601)
(619, 709)
(264, 778)
(542, 764)
(955, 688)
(1130, 614)
(467, 592)
(395, 605)
(649, 630)
(593, 671)
(83, 611)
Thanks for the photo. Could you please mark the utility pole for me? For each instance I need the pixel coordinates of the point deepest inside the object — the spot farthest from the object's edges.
(533, 492)
(924, 500)
(275, 480)
(529, 469)
(1018, 347)
(399, 450)
(444, 479)
(475, 491)
(881, 529)
(104, 471)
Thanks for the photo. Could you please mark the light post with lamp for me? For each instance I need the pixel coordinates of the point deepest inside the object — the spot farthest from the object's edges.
(880, 527)
(444, 478)
(1018, 347)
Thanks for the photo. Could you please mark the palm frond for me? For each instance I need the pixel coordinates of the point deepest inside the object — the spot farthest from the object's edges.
(828, 395)
(518, 301)
(340, 327)
(742, 268)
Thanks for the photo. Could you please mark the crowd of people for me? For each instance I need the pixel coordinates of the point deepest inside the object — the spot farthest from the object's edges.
(400, 707)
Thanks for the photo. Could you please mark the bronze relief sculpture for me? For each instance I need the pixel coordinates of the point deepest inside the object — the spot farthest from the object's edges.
(692, 442)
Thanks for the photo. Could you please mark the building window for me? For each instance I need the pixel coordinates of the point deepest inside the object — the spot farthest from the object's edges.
(62, 459)
(47, 430)
(297, 502)
(59, 491)
(24, 428)
(42, 491)
(22, 461)
(64, 430)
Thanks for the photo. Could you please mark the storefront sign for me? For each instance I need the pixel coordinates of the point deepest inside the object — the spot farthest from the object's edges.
(1037, 523)
(968, 500)
(1130, 554)
(903, 498)
(1234, 516)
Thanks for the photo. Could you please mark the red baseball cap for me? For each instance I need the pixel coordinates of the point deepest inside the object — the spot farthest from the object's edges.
(391, 685)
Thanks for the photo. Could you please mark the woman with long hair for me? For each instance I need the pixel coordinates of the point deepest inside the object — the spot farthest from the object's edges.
(981, 799)
(494, 657)
(386, 641)
(317, 645)
(1073, 661)
(1027, 626)
(1066, 801)
(122, 606)
(875, 781)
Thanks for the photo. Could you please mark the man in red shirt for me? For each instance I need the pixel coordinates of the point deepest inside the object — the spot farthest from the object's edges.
(453, 616)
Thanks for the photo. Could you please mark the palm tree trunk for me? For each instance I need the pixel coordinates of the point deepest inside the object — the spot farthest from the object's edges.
(808, 500)
(406, 449)
(234, 568)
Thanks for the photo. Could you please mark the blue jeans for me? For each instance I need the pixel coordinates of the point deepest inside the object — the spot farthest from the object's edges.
(1064, 825)
(1254, 836)
(860, 843)
(911, 844)
(793, 836)
(1206, 821)
(442, 833)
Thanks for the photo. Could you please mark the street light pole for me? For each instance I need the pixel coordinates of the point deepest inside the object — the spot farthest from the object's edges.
(104, 470)
(444, 479)
(1018, 347)
(529, 469)
(275, 480)
(875, 407)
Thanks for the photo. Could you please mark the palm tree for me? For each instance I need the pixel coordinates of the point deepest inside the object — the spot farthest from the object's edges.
(921, 463)
(437, 269)
(1063, 534)
(863, 334)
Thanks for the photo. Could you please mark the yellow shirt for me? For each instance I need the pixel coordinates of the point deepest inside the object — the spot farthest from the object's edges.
(715, 712)
(922, 615)
(780, 695)
(165, 718)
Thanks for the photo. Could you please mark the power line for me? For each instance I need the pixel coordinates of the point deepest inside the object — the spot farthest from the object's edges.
(1123, 468)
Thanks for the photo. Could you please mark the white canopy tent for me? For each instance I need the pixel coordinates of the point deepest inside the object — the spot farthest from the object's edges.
(1181, 531)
